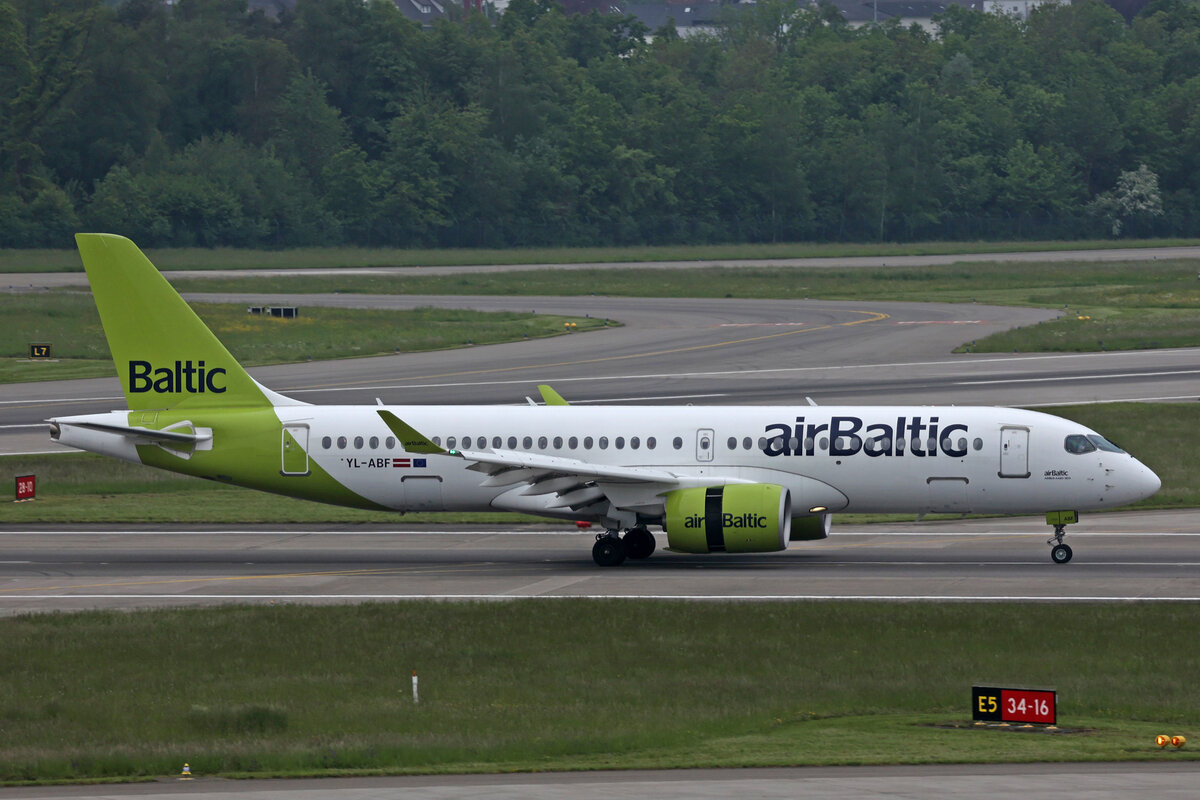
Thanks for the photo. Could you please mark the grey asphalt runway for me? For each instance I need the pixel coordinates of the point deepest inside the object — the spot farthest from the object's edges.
(1163, 780)
(1148, 556)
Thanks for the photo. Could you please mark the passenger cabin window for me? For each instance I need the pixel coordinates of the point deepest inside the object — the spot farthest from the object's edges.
(1078, 444)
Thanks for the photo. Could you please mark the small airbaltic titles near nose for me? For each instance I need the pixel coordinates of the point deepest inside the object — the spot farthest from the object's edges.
(717, 479)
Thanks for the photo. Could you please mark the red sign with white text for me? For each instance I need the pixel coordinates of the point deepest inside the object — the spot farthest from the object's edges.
(26, 487)
(1014, 705)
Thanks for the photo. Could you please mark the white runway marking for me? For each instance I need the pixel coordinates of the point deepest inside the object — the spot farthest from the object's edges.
(58, 399)
(586, 532)
(1080, 377)
(888, 598)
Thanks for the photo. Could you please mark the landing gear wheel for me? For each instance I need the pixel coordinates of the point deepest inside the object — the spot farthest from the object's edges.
(608, 551)
(639, 543)
(1059, 553)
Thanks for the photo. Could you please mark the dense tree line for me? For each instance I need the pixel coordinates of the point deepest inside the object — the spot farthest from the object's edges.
(200, 124)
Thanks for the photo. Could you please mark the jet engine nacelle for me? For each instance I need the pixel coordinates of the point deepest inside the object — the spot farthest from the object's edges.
(806, 529)
(739, 518)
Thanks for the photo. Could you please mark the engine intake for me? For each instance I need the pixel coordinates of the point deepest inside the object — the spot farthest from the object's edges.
(739, 518)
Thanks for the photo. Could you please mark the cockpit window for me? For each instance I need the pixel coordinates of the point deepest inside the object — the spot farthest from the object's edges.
(1104, 444)
(1078, 444)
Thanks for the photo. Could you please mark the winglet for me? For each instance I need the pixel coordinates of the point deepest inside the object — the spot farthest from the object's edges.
(551, 397)
(412, 441)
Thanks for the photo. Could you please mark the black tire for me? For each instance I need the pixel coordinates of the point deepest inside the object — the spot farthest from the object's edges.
(639, 543)
(608, 551)
(1060, 553)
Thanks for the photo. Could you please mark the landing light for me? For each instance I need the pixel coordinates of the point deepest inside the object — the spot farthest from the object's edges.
(816, 509)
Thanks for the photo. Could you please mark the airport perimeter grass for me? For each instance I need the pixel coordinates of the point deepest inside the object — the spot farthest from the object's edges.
(579, 684)
(67, 259)
(70, 322)
(91, 488)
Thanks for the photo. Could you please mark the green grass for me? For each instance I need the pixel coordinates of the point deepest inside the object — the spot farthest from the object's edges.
(334, 257)
(89, 488)
(577, 684)
(83, 487)
(69, 320)
(1012, 283)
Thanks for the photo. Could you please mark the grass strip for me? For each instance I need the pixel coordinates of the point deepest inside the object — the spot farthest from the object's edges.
(70, 321)
(90, 488)
(67, 260)
(578, 684)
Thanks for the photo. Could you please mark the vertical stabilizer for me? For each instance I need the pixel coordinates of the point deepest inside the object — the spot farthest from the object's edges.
(164, 354)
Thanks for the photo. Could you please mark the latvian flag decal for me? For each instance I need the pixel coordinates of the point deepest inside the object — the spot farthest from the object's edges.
(406, 463)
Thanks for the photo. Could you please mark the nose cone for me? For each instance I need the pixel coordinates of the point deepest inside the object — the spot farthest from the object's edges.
(1150, 481)
(1146, 481)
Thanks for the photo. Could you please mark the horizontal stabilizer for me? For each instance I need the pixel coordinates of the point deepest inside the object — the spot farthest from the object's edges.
(144, 433)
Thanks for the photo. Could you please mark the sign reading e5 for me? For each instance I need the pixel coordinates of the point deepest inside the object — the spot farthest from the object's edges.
(991, 704)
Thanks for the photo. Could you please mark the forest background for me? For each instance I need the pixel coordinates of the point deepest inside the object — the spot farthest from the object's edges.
(344, 123)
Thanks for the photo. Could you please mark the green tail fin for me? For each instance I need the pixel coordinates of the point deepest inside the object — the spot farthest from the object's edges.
(164, 354)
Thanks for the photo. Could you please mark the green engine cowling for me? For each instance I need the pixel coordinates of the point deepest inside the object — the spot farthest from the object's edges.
(806, 529)
(739, 518)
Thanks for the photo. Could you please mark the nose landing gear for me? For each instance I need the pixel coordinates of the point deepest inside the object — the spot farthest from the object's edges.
(1060, 553)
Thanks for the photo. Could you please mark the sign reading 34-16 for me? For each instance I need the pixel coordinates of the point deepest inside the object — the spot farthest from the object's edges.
(992, 704)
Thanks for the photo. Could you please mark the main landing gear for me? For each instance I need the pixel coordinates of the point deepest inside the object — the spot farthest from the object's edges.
(1060, 553)
(610, 550)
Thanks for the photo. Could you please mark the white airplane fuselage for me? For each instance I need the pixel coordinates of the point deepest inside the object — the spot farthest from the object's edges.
(947, 459)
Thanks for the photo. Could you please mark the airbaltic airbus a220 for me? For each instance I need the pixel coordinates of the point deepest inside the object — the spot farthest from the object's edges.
(717, 479)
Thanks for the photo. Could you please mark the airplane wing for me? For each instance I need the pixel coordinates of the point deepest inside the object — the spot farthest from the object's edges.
(542, 483)
(549, 483)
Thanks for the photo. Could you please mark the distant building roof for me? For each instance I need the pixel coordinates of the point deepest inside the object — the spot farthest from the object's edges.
(272, 9)
(688, 17)
(425, 12)
(863, 11)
